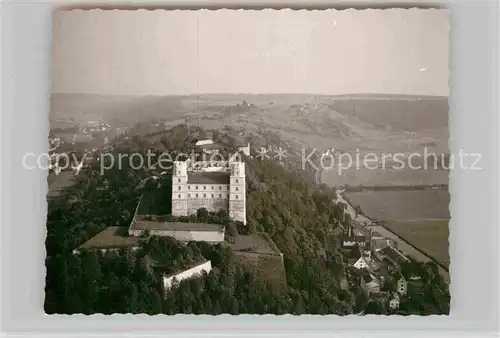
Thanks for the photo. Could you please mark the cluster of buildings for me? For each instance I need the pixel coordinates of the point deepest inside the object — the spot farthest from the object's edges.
(94, 127)
(378, 261)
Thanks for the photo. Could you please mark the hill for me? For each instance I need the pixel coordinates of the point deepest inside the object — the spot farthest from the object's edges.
(297, 214)
(299, 123)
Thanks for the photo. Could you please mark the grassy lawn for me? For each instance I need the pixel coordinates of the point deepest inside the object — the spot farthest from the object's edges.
(431, 237)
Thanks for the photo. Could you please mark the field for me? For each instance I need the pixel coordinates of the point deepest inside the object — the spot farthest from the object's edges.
(431, 237)
(403, 205)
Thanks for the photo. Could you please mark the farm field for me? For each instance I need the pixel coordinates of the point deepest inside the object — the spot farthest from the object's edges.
(403, 205)
(431, 237)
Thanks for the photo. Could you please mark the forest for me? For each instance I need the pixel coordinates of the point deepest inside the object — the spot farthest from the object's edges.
(297, 214)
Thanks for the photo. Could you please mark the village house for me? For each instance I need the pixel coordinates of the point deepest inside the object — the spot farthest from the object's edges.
(402, 286)
(392, 254)
(355, 234)
(394, 301)
(372, 284)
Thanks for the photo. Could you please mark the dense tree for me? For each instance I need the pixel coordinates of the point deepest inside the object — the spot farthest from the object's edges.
(298, 215)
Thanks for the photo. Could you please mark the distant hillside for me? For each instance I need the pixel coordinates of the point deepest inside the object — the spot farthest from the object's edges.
(116, 110)
(375, 123)
(405, 112)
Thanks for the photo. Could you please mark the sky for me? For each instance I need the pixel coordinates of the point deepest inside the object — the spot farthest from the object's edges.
(397, 51)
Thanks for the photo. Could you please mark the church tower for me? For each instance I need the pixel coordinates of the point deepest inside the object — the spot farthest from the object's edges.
(237, 192)
(179, 189)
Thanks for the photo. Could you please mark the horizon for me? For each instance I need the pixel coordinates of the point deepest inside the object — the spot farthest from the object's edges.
(398, 51)
(251, 94)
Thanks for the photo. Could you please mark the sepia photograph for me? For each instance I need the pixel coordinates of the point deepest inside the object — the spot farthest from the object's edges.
(249, 162)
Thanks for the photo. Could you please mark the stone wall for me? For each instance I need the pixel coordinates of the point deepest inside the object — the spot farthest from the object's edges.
(194, 272)
(185, 236)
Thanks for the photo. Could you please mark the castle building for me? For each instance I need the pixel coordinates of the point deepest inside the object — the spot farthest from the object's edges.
(210, 185)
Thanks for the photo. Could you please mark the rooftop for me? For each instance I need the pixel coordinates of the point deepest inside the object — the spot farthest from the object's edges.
(352, 254)
(142, 224)
(379, 244)
(208, 178)
(112, 237)
(393, 254)
(210, 146)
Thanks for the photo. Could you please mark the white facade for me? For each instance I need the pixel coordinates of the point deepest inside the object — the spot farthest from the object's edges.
(204, 142)
(394, 302)
(191, 273)
(402, 286)
(237, 193)
(245, 150)
(361, 263)
(229, 195)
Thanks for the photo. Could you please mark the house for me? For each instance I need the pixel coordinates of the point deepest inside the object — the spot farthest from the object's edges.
(394, 301)
(362, 262)
(352, 254)
(360, 259)
(196, 271)
(402, 286)
(372, 284)
(241, 150)
(378, 244)
(355, 235)
(393, 255)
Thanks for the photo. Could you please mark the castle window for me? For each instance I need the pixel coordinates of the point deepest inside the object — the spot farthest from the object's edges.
(179, 180)
(212, 195)
(236, 188)
(196, 187)
(189, 195)
(204, 187)
(220, 195)
(236, 196)
(212, 187)
(196, 195)
(220, 187)
(236, 180)
(179, 195)
(189, 187)
(204, 195)
(179, 188)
